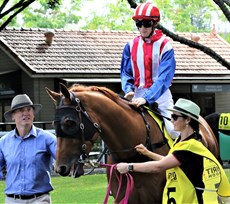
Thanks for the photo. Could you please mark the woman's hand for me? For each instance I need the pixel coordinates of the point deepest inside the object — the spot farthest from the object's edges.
(122, 168)
(142, 149)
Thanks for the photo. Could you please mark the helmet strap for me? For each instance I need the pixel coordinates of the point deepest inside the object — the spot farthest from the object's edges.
(153, 28)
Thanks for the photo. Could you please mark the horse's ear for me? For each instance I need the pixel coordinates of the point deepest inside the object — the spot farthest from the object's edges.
(64, 90)
(53, 95)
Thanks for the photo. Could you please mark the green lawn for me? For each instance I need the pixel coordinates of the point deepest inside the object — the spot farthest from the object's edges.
(86, 189)
(89, 189)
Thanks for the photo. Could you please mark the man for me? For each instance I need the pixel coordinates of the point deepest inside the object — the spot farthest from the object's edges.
(27, 152)
(148, 64)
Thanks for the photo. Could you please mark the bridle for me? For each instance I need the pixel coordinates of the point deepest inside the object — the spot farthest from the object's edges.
(84, 119)
(75, 107)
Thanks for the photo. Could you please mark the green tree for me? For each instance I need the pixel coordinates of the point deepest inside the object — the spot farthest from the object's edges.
(115, 17)
(9, 9)
(41, 15)
(180, 15)
(177, 15)
(189, 16)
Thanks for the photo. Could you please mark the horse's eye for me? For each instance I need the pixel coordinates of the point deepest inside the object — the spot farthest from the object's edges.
(69, 122)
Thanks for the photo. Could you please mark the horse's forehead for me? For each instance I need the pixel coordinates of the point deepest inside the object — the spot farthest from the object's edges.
(63, 100)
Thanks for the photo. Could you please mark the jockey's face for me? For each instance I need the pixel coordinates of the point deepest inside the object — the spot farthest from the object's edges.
(145, 27)
(145, 32)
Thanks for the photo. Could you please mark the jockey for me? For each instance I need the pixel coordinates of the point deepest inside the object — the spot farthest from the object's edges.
(148, 65)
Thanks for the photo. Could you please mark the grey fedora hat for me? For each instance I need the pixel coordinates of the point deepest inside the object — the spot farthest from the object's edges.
(20, 101)
(187, 107)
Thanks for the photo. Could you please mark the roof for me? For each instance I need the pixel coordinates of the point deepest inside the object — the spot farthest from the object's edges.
(98, 53)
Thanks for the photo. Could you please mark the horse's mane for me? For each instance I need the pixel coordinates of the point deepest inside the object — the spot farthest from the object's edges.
(107, 92)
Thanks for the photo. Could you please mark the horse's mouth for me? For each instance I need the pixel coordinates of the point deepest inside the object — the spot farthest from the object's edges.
(76, 170)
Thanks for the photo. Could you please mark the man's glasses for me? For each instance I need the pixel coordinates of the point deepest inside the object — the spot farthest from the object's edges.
(175, 117)
(145, 23)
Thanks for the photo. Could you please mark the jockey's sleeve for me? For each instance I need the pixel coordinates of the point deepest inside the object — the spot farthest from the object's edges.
(166, 71)
(126, 72)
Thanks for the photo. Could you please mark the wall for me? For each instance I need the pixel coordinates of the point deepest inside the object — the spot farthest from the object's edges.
(222, 102)
(35, 88)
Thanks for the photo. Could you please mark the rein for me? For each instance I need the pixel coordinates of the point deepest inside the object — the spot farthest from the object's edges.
(77, 107)
(148, 142)
(129, 186)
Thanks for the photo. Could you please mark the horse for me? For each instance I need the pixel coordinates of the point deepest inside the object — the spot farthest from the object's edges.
(84, 113)
(214, 120)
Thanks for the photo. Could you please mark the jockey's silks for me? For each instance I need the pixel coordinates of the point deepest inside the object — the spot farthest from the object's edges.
(179, 189)
(148, 66)
(146, 57)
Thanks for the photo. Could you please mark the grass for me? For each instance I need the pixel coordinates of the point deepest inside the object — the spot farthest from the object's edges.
(86, 189)
(89, 189)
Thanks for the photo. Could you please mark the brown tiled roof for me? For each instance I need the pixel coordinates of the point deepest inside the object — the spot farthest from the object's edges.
(99, 52)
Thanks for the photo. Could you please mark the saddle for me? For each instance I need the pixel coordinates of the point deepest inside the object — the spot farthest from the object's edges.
(154, 112)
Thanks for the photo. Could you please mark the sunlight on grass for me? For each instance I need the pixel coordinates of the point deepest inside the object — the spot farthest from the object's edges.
(86, 189)
(89, 189)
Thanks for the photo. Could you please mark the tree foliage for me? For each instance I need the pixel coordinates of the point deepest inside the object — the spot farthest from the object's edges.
(189, 16)
(176, 15)
(47, 14)
(223, 6)
(115, 17)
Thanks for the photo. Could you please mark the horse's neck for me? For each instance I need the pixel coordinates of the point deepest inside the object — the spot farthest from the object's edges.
(208, 137)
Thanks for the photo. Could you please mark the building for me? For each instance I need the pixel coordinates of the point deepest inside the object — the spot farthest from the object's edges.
(32, 59)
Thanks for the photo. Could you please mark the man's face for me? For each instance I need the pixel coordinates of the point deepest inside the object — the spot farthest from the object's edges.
(145, 27)
(23, 116)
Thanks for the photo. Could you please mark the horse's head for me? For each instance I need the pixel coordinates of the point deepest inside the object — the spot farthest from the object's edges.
(74, 141)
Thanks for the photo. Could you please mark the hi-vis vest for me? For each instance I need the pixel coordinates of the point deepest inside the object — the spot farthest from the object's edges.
(179, 189)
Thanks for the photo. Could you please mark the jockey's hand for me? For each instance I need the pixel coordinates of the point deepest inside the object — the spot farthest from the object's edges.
(129, 95)
(138, 102)
(142, 149)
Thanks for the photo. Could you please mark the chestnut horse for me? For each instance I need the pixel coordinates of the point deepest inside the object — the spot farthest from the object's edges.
(84, 113)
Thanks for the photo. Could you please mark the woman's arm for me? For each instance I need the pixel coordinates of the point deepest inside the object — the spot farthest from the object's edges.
(165, 163)
(143, 150)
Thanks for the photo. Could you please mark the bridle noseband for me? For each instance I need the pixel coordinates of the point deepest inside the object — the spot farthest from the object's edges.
(83, 118)
(75, 108)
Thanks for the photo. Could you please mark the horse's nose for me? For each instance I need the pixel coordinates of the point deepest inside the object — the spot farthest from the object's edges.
(62, 170)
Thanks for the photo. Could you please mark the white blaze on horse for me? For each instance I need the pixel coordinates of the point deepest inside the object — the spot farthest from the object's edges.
(85, 113)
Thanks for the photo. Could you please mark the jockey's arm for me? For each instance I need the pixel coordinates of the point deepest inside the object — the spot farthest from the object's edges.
(166, 71)
(126, 73)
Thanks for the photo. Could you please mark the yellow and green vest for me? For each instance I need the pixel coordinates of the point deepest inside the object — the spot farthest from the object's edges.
(179, 189)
